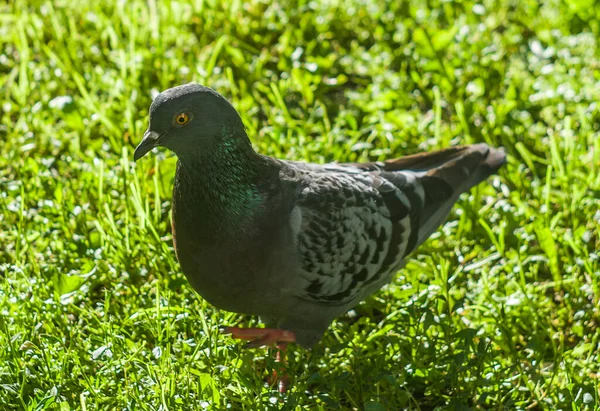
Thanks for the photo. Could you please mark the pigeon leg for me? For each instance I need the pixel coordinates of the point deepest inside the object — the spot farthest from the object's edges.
(259, 337)
(283, 383)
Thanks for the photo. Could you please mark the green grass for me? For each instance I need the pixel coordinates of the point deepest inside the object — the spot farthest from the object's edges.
(499, 310)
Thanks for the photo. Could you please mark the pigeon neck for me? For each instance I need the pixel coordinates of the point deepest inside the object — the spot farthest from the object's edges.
(219, 189)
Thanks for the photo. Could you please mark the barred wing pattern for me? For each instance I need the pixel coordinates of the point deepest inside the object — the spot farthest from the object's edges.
(355, 223)
(355, 230)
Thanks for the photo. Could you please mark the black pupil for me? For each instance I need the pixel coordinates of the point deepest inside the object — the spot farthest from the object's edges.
(181, 119)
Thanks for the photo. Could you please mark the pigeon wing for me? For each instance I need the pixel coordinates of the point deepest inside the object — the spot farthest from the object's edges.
(353, 229)
(355, 223)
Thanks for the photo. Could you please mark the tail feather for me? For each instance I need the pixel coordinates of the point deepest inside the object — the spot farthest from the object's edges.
(441, 177)
(471, 167)
(433, 181)
(426, 160)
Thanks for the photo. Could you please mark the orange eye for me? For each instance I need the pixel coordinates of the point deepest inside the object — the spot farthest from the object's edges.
(182, 119)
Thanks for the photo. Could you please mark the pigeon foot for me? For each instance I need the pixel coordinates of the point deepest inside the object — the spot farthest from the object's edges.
(259, 337)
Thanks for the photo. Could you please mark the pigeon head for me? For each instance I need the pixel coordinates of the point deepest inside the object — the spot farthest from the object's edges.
(189, 119)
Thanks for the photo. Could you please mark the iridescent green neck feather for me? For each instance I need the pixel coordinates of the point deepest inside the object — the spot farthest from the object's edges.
(220, 185)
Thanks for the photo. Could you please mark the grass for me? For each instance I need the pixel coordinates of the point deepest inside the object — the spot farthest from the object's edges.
(498, 310)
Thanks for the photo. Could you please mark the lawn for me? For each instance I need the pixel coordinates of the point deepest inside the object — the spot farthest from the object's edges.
(498, 310)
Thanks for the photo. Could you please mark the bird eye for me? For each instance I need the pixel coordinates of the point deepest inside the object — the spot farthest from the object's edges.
(181, 119)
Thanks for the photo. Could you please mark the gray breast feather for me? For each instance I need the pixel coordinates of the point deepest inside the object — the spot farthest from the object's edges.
(347, 237)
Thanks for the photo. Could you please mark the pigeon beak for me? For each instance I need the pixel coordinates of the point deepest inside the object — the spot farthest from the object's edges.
(149, 141)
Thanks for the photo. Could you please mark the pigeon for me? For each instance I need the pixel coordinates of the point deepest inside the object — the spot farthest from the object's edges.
(297, 244)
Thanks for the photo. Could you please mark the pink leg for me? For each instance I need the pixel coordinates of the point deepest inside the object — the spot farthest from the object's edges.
(283, 383)
(258, 337)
